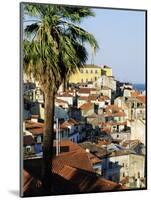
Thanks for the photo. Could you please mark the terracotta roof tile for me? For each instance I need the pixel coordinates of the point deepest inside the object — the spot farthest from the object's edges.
(86, 106)
(65, 94)
(120, 114)
(69, 122)
(87, 181)
(103, 98)
(83, 98)
(30, 124)
(75, 168)
(35, 128)
(84, 90)
(61, 101)
(142, 99)
(135, 94)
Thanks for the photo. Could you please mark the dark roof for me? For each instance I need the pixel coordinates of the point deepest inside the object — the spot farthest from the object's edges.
(68, 180)
(28, 140)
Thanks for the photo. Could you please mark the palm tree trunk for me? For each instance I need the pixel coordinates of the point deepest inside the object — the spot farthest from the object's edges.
(64, 84)
(48, 140)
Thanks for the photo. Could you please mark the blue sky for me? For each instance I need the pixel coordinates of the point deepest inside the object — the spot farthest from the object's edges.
(121, 37)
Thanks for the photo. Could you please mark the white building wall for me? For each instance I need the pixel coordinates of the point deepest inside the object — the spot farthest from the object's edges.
(138, 130)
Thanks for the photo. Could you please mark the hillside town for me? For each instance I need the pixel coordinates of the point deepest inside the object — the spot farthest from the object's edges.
(99, 133)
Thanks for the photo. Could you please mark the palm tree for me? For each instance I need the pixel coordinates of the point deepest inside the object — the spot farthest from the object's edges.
(53, 49)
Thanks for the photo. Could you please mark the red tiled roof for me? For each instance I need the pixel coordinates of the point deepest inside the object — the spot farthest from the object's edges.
(93, 158)
(72, 121)
(27, 178)
(68, 122)
(113, 107)
(87, 181)
(61, 101)
(93, 97)
(135, 94)
(75, 157)
(142, 99)
(30, 124)
(103, 98)
(86, 106)
(83, 98)
(84, 90)
(65, 94)
(120, 114)
(115, 111)
(35, 128)
(75, 168)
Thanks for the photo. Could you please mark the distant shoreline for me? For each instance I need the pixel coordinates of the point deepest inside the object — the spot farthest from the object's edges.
(139, 86)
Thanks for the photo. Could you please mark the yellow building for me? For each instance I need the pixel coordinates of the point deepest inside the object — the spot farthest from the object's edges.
(90, 73)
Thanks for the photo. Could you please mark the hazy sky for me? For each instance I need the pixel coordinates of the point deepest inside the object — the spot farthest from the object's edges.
(121, 37)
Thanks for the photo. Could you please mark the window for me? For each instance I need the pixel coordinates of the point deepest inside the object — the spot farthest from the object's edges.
(123, 174)
(95, 78)
(81, 71)
(96, 71)
(86, 79)
(86, 71)
(91, 71)
(82, 80)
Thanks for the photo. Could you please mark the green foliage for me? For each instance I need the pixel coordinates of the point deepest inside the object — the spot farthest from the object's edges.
(54, 45)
